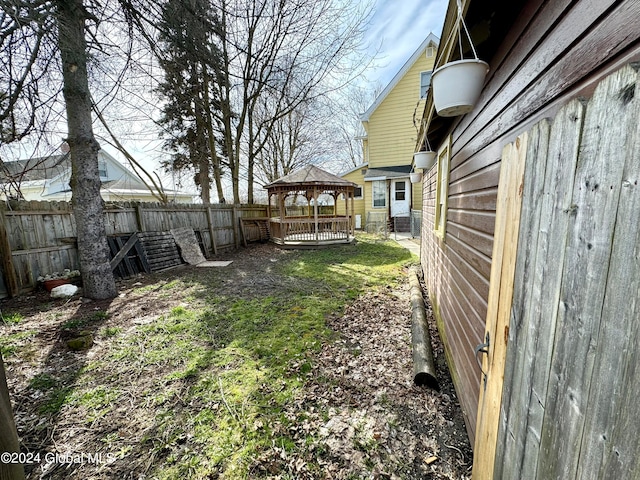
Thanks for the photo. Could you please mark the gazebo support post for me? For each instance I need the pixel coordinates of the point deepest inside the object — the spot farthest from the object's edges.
(315, 213)
(282, 214)
(269, 206)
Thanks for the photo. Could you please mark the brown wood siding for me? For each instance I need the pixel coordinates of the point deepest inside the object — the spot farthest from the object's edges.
(555, 51)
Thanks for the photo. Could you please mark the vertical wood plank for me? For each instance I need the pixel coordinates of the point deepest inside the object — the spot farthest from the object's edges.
(611, 442)
(509, 436)
(609, 117)
(8, 435)
(212, 232)
(531, 341)
(510, 190)
(11, 279)
(234, 222)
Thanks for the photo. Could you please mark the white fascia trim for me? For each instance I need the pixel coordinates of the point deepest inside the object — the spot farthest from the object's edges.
(395, 80)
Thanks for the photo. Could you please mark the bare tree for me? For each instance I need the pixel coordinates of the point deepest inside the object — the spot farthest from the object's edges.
(44, 48)
(26, 56)
(292, 143)
(280, 54)
(345, 129)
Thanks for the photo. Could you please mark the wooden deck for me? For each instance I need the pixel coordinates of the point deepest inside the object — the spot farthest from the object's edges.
(311, 232)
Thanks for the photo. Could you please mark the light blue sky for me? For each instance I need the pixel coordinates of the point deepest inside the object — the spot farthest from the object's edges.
(398, 27)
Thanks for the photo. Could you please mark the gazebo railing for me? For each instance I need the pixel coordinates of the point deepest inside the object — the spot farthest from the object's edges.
(306, 230)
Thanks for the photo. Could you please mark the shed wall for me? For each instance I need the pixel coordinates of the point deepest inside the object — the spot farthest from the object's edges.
(555, 51)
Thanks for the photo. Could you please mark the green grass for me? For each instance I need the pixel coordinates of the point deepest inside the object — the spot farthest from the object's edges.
(43, 381)
(219, 369)
(11, 318)
(14, 343)
(95, 317)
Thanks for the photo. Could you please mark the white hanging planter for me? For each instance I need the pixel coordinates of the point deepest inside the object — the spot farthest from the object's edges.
(457, 86)
(424, 160)
(415, 177)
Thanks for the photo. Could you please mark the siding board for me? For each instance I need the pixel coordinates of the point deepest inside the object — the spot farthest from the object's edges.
(485, 178)
(476, 200)
(480, 221)
(549, 37)
(482, 242)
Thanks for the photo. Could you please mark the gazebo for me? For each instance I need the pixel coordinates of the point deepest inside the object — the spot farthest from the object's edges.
(311, 227)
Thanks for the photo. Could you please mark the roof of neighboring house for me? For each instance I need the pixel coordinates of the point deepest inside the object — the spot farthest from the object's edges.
(126, 186)
(33, 169)
(357, 167)
(395, 171)
(310, 175)
(36, 171)
(431, 38)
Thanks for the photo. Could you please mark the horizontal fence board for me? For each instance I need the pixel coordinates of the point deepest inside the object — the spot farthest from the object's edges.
(41, 235)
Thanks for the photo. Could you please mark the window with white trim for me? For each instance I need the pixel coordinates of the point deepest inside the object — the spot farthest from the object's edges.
(102, 169)
(400, 190)
(379, 188)
(425, 82)
(442, 189)
(357, 192)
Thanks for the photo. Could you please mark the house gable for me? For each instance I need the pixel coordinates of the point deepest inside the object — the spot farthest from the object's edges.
(392, 122)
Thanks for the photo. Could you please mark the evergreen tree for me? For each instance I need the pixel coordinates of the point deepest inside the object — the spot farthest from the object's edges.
(188, 58)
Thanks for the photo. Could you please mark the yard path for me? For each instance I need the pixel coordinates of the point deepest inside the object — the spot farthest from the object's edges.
(351, 409)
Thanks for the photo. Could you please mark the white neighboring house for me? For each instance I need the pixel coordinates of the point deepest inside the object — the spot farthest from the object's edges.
(48, 179)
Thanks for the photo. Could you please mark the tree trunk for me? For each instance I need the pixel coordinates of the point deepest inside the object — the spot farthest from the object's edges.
(8, 435)
(250, 161)
(215, 160)
(93, 251)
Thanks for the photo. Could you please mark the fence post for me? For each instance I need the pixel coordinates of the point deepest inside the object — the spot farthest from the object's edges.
(139, 218)
(236, 233)
(11, 279)
(212, 232)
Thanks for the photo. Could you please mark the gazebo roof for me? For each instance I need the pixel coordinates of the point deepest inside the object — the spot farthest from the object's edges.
(310, 176)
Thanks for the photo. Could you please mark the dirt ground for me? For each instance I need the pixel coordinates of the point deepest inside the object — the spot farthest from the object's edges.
(373, 416)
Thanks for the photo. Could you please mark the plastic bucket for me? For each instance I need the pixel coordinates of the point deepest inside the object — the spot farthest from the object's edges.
(457, 86)
(424, 160)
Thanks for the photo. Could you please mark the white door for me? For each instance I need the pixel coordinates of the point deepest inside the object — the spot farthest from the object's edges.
(400, 194)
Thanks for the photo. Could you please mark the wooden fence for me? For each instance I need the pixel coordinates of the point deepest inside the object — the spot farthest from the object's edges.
(569, 407)
(38, 238)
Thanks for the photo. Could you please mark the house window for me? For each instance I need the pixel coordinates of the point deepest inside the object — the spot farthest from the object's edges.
(357, 192)
(102, 169)
(425, 82)
(431, 51)
(379, 194)
(400, 191)
(442, 188)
